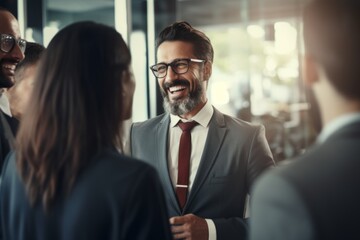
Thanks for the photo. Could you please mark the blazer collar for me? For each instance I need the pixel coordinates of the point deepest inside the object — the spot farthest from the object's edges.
(337, 125)
(349, 130)
(162, 133)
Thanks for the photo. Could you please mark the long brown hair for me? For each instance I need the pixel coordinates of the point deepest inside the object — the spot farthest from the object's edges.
(75, 110)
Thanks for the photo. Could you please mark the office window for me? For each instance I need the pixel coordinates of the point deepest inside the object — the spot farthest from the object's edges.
(256, 70)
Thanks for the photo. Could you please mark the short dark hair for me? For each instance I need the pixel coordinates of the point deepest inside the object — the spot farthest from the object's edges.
(332, 37)
(183, 31)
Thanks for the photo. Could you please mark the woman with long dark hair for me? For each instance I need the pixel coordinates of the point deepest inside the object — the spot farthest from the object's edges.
(67, 179)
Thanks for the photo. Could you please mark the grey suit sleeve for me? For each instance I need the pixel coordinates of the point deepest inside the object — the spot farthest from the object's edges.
(259, 159)
(278, 212)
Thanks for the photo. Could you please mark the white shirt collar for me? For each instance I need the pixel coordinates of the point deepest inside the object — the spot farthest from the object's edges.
(203, 117)
(4, 104)
(336, 124)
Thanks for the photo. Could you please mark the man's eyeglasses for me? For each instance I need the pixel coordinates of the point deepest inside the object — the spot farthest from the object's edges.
(179, 66)
(7, 43)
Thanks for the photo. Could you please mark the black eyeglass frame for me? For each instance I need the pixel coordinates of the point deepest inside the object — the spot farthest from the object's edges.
(173, 66)
(20, 42)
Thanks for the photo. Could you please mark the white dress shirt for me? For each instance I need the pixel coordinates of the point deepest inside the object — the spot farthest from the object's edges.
(198, 138)
(4, 104)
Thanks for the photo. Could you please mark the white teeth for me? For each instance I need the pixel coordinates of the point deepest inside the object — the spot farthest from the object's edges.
(176, 88)
(10, 67)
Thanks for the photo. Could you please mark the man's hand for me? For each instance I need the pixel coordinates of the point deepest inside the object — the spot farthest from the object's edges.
(189, 227)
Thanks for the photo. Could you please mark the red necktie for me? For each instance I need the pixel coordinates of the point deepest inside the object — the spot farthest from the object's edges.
(184, 162)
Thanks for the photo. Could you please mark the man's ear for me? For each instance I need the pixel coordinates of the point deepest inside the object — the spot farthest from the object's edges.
(310, 70)
(207, 70)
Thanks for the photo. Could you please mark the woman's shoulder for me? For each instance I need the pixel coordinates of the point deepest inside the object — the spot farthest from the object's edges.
(110, 166)
(115, 160)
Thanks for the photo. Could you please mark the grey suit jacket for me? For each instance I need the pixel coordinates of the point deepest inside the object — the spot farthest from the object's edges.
(316, 196)
(235, 154)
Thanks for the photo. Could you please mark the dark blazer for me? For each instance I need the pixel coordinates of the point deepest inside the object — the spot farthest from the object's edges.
(235, 154)
(316, 196)
(115, 197)
(13, 124)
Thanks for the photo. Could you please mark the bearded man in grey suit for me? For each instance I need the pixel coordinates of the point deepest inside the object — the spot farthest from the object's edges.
(317, 196)
(227, 154)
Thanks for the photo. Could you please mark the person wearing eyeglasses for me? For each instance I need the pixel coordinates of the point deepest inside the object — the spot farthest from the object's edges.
(227, 154)
(12, 49)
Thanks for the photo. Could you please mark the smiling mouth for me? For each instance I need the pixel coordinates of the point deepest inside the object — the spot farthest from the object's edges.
(9, 69)
(175, 89)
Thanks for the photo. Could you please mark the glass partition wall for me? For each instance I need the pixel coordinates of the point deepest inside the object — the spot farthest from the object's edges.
(256, 70)
(118, 14)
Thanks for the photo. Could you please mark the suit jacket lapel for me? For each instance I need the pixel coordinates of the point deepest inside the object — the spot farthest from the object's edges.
(162, 156)
(216, 134)
(349, 130)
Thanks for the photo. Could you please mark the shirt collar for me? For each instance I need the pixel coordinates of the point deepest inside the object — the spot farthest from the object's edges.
(4, 104)
(336, 124)
(203, 117)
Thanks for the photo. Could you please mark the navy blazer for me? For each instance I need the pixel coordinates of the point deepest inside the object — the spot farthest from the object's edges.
(115, 197)
(5, 148)
(314, 197)
(235, 154)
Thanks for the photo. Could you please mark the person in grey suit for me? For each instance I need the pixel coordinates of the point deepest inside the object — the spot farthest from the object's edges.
(316, 196)
(227, 154)
(66, 179)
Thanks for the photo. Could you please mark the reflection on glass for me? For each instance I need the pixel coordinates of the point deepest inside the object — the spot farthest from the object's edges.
(256, 77)
(49, 31)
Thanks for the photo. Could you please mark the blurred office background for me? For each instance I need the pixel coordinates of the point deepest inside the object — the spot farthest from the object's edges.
(257, 66)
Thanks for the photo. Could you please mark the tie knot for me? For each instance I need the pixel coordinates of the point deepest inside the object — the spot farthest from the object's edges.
(187, 126)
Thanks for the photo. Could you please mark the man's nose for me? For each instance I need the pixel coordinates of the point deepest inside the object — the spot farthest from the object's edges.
(17, 53)
(170, 74)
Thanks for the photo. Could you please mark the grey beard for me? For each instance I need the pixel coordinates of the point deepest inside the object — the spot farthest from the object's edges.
(180, 107)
